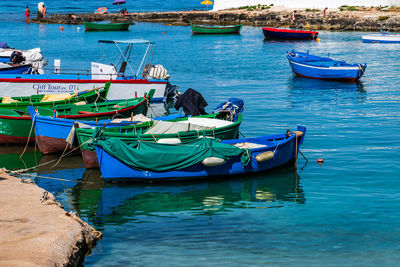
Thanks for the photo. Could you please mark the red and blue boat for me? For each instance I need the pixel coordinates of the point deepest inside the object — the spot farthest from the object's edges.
(316, 67)
(51, 133)
(198, 159)
(289, 34)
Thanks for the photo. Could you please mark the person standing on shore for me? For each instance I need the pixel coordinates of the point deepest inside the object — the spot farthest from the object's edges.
(27, 12)
(324, 11)
(44, 11)
(292, 17)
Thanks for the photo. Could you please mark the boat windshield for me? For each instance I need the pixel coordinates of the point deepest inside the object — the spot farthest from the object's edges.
(125, 59)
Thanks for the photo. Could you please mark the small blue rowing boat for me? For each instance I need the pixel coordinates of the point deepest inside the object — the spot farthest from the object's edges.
(200, 158)
(315, 67)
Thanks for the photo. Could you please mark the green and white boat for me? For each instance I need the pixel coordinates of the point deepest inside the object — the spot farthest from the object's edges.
(178, 130)
(216, 29)
(106, 26)
(16, 125)
(52, 100)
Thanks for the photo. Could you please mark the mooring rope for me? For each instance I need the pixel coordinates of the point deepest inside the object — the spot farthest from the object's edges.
(59, 159)
(71, 152)
(29, 137)
(53, 178)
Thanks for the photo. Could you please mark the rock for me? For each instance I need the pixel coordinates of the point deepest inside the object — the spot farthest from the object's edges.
(344, 20)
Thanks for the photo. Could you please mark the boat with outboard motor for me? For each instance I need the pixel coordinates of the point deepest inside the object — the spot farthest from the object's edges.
(18, 61)
(316, 67)
(9, 68)
(223, 123)
(125, 81)
(197, 159)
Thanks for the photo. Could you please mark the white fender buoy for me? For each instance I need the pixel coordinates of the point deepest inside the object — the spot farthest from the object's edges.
(213, 161)
(169, 141)
(202, 136)
(265, 156)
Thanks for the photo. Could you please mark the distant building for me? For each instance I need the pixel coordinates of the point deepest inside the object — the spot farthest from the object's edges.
(224, 4)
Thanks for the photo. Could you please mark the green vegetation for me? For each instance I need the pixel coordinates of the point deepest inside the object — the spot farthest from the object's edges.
(258, 7)
(381, 18)
(372, 8)
(312, 10)
(349, 8)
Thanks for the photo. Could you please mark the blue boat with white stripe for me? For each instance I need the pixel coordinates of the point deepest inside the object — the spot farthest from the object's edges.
(6, 68)
(264, 153)
(383, 37)
(316, 67)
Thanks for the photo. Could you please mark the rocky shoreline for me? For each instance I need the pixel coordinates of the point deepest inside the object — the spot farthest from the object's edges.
(35, 230)
(334, 20)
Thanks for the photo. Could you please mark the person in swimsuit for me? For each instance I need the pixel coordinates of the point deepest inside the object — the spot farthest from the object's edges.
(27, 12)
(44, 11)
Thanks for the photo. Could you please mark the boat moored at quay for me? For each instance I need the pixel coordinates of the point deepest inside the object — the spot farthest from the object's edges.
(125, 81)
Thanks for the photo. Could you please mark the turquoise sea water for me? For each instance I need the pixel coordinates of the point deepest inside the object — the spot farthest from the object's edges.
(343, 212)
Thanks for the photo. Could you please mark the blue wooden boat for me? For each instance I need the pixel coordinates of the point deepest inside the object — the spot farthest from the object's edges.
(289, 34)
(263, 153)
(315, 67)
(6, 68)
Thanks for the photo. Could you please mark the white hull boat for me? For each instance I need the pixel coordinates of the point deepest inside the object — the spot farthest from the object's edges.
(381, 38)
(122, 86)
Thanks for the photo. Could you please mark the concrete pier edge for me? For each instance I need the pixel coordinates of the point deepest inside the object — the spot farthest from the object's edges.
(35, 230)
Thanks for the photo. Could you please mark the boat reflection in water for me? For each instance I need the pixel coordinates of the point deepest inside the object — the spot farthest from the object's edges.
(306, 90)
(102, 204)
(13, 161)
(297, 82)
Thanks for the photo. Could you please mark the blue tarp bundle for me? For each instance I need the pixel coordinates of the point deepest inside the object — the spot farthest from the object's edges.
(234, 106)
(4, 45)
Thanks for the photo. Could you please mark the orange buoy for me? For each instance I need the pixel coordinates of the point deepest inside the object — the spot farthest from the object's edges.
(163, 32)
(61, 28)
(320, 160)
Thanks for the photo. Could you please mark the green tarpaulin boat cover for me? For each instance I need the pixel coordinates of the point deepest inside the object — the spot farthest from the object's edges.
(151, 156)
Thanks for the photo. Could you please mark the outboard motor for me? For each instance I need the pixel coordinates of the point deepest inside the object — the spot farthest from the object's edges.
(16, 57)
(171, 91)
